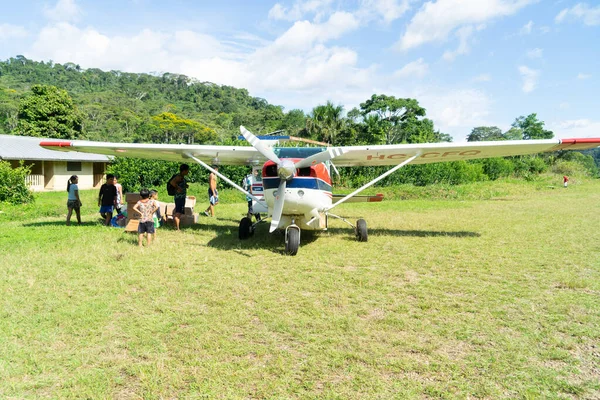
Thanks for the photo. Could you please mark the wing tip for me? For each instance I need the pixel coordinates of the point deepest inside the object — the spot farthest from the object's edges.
(55, 144)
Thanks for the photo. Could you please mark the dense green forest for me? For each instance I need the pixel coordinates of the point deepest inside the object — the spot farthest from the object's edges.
(47, 99)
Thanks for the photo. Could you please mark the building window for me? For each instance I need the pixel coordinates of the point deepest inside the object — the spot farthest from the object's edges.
(73, 166)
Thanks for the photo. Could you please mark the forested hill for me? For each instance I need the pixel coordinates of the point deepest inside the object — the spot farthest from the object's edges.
(121, 106)
(65, 101)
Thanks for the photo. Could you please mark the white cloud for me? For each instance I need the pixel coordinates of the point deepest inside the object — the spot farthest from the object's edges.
(303, 34)
(436, 20)
(535, 53)
(530, 78)
(388, 10)
(63, 11)
(581, 75)
(464, 35)
(456, 111)
(414, 69)
(8, 31)
(298, 60)
(581, 11)
(564, 105)
(575, 128)
(299, 10)
(482, 78)
(526, 29)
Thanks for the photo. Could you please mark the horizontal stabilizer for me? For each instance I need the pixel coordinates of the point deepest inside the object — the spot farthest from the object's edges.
(360, 199)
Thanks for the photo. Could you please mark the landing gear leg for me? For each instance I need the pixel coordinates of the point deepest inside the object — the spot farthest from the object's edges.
(292, 239)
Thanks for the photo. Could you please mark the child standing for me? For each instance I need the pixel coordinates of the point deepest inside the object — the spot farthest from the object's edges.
(73, 201)
(156, 217)
(146, 208)
(107, 199)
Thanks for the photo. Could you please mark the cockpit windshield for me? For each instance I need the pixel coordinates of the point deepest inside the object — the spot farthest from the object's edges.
(296, 152)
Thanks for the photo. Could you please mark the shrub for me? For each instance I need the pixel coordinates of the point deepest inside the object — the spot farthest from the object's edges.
(136, 173)
(13, 188)
(496, 168)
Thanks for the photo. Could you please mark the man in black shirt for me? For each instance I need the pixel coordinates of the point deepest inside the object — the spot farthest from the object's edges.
(107, 199)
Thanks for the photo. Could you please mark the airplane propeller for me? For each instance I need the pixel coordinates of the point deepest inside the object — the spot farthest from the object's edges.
(286, 169)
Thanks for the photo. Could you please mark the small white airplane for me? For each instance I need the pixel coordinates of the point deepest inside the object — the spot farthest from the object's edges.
(297, 180)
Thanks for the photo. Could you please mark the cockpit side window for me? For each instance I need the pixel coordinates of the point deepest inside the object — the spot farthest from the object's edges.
(307, 171)
(271, 170)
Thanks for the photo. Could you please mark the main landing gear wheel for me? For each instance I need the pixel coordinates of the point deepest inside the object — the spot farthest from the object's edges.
(292, 240)
(246, 229)
(361, 230)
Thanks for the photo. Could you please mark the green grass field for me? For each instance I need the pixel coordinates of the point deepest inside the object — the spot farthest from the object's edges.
(490, 290)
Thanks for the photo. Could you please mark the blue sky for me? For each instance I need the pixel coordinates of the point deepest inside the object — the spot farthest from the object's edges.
(468, 62)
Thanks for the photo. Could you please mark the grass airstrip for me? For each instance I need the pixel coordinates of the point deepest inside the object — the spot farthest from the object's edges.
(490, 290)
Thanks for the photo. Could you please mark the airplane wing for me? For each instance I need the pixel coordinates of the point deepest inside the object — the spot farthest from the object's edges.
(223, 155)
(350, 156)
(440, 152)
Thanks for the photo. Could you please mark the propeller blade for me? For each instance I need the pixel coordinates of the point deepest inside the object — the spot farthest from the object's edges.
(323, 156)
(259, 145)
(278, 207)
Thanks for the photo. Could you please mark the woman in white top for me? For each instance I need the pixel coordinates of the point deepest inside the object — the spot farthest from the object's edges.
(119, 194)
(73, 202)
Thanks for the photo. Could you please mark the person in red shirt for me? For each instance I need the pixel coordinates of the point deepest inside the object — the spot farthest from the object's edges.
(566, 180)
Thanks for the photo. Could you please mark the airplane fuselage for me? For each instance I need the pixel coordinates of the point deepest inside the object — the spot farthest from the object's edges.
(307, 193)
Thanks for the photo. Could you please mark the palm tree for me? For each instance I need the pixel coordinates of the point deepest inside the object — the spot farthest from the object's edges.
(325, 122)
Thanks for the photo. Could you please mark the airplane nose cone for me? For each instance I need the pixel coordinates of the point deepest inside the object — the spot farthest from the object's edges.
(286, 169)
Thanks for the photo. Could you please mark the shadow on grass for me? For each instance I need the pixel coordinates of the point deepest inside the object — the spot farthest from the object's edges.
(62, 223)
(227, 237)
(410, 233)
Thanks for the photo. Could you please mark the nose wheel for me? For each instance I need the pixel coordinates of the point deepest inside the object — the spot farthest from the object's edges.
(292, 240)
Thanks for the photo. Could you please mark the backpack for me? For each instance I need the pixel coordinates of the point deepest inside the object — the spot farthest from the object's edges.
(171, 190)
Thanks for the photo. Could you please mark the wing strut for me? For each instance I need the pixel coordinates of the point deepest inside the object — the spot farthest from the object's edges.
(226, 179)
(374, 181)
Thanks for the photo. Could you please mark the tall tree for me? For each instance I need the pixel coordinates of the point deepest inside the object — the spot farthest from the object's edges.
(532, 128)
(49, 112)
(395, 115)
(181, 130)
(326, 122)
(485, 133)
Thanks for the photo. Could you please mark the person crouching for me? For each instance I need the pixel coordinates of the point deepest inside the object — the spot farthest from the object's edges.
(146, 208)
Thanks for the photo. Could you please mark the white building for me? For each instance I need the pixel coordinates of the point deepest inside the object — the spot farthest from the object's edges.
(50, 170)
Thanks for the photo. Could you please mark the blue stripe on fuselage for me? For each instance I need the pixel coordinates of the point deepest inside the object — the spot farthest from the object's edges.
(298, 183)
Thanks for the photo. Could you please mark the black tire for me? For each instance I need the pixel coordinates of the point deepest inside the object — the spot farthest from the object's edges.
(245, 230)
(361, 230)
(293, 241)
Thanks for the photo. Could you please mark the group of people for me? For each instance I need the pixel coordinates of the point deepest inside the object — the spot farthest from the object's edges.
(110, 199)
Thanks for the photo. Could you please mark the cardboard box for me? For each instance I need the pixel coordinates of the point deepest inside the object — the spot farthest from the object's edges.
(132, 225)
(188, 211)
(132, 197)
(169, 208)
(131, 213)
(190, 202)
(188, 220)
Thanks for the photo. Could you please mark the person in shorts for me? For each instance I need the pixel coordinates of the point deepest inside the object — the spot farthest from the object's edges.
(107, 199)
(73, 201)
(213, 194)
(146, 208)
(179, 182)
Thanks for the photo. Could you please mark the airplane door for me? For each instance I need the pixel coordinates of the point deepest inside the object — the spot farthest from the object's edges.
(257, 190)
